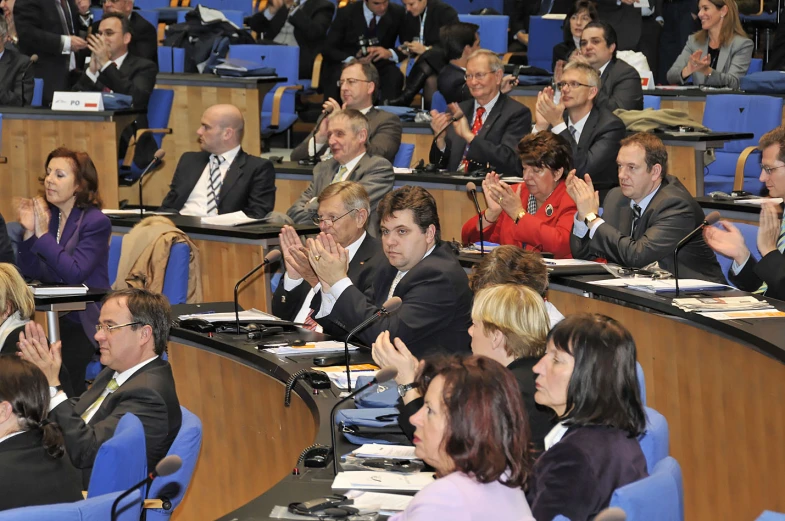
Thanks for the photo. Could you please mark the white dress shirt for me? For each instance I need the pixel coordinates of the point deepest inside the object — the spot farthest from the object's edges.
(197, 200)
(555, 435)
(579, 228)
(119, 62)
(558, 129)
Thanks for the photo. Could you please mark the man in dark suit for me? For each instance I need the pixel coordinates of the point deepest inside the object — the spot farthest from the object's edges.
(48, 29)
(643, 219)
(497, 123)
(348, 134)
(304, 25)
(359, 85)
(368, 19)
(16, 76)
(144, 41)
(593, 132)
(344, 210)
(221, 178)
(132, 333)
(422, 271)
(620, 83)
(625, 18)
(459, 40)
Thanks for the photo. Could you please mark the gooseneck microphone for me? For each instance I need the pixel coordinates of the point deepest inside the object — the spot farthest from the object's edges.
(710, 219)
(472, 189)
(385, 374)
(391, 305)
(312, 155)
(167, 466)
(33, 59)
(456, 117)
(270, 258)
(157, 158)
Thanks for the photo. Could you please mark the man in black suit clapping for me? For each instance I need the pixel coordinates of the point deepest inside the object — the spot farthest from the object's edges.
(621, 83)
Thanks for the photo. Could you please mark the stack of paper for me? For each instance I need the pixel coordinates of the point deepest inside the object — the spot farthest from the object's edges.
(312, 348)
(231, 219)
(337, 374)
(376, 450)
(649, 285)
(249, 315)
(51, 290)
(384, 504)
(380, 480)
(721, 304)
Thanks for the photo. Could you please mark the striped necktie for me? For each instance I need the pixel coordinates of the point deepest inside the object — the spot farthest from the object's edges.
(574, 133)
(110, 388)
(214, 189)
(781, 247)
(339, 175)
(636, 214)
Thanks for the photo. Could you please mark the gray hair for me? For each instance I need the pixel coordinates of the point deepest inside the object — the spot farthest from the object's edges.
(592, 76)
(357, 121)
(353, 195)
(494, 62)
(3, 28)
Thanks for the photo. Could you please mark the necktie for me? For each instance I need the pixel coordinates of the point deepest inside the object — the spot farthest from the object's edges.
(107, 89)
(214, 188)
(780, 246)
(372, 26)
(636, 214)
(573, 133)
(476, 126)
(68, 22)
(309, 322)
(394, 284)
(339, 175)
(110, 388)
(531, 205)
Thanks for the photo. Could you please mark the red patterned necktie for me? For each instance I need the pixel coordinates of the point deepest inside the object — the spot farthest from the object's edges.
(309, 322)
(476, 126)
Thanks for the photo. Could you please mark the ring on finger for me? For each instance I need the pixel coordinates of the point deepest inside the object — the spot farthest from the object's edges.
(500, 199)
(317, 257)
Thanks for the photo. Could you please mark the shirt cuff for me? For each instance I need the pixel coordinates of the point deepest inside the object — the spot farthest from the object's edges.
(329, 298)
(93, 76)
(66, 41)
(736, 268)
(289, 283)
(394, 58)
(593, 229)
(315, 147)
(59, 398)
(558, 129)
(268, 14)
(579, 228)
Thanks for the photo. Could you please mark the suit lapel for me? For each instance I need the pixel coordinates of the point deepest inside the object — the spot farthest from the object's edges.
(194, 173)
(70, 225)
(91, 395)
(358, 169)
(723, 57)
(588, 129)
(233, 175)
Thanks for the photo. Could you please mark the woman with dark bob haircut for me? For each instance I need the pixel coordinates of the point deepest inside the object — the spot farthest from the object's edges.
(33, 466)
(538, 213)
(581, 13)
(473, 430)
(66, 240)
(588, 378)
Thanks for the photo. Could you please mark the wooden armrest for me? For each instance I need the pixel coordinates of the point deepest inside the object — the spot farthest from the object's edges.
(153, 503)
(403, 66)
(760, 11)
(508, 55)
(275, 120)
(129, 153)
(84, 494)
(316, 74)
(738, 179)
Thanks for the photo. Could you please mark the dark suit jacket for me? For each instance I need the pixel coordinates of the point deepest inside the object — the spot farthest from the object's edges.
(384, 137)
(249, 184)
(452, 84)
(310, 22)
(519, 12)
(149, 394)
(770, 269)
(6, 250)
(144, 38)
(39, 28)
(626, 21)
(562, 51)
(31, 477)
(437, 15)
(436, 311)
(349, 24)
(596, 151)
(10, 347)
(16, 79)
(669, 217)
(496, 142)
(620, 87)
(576, 477)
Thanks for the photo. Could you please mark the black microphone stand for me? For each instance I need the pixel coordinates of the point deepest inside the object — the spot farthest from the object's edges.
(236, 290)
(153, 164)
(364, 323)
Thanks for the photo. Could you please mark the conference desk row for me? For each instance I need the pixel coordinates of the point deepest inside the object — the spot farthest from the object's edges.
(719, 384)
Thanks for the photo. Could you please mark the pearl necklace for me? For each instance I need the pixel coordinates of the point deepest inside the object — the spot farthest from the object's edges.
(60, 226)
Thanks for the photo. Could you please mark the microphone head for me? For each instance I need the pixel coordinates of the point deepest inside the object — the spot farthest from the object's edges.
(272, 257)
(471, 187)
(33, 58)
(385, 374)
(611, 514)
(159, 154)
(712, 218)
(168, 465)
(392, 304)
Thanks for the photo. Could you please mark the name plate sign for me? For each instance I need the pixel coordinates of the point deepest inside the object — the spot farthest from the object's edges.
(80, 101)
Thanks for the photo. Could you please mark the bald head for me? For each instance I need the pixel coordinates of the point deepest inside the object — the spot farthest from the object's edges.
(221, 129)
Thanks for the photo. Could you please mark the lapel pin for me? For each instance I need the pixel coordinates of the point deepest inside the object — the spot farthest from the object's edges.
(549, 210)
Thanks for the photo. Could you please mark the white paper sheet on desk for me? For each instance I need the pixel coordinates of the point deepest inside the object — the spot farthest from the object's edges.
(760, 200)
(377, 450)
(50, 291)
(111, 211)
(339, 379)
(620, 282)
(554, 16)
(737, 315)
(230, 219)
(401, 170)
(568, 262)
(385, 504)
(380, 480)
(249, 315)
(326, 346)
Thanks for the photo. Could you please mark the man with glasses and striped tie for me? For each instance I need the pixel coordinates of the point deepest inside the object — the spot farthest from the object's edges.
(132, 333)
(767, 275)
(221, 178)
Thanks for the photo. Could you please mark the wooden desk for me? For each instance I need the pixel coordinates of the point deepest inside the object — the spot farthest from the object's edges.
(29, 134)
(193, 94)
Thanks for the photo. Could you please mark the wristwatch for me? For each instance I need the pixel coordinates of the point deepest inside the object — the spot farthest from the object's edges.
(520, 216)
(403, 389)
(53, 390)
(590, 217)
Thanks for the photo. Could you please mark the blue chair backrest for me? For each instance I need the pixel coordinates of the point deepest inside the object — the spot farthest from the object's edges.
(38, 92)
(750, 233)
(187, 445)
(171, 59)
(403, 158)
(438, 103)
(756, 65)
(641, 382)
(560, 518)
(742, 113)
(177, 273)
(544, 34)
(768, 515)
(181, 16)
(655, 442)
(91, 509)
(493, 30)
(212, 4)
(98, 13)
(285, 59)
(234, 16)
(658, 497)
(151, 4)
(651, 102)
(115, 249)
(467, 6)
(121, 461)
(159, 108)
(150, 16)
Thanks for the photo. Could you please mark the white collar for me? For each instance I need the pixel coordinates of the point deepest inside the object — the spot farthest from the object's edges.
(229, 155)
(555, 435)
(646, 200)
(355, 246)
(602, 69)
(365, 110)
(488, 106)
(426, 254)
(578, 124)
(9, 436)
(123, 377)
(353, 163)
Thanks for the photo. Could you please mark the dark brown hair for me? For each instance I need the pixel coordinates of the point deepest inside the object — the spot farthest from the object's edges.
(85, 173)
(487, 431)
(455, 37)
(775, 136)
(150, 309)
(731, 24)
(25, 387)
(656, 154)
(510, 265)
(414, 198)
(546, 150)
(577, 7)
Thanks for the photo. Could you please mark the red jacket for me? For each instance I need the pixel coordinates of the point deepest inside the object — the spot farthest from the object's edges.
(538, 231)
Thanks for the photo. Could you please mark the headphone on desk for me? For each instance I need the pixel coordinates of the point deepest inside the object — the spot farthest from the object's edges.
(330, 507)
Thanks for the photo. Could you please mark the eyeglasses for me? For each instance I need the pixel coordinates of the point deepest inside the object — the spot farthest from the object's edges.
(108, 33)
(479, 76)
(570, 84)
(351, 81)
(768, 169)
(330, 221)
(109, 329)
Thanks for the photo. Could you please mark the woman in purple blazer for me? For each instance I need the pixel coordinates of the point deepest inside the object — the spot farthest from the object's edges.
(66, 240)
(588, 378)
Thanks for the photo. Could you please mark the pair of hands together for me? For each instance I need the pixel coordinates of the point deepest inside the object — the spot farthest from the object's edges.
(320, 260)
(547, 113)
(375, 53)
(500, 197)
(582, 191)
(33, 215)
(34, 347)
(697, 63)
(726, 239)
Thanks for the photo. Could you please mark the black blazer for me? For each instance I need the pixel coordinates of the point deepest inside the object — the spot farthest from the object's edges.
(669, 217)
(620, 87)
(144, 38)
(150, 394)
(437, 15)
(16, 79)
(576, 477)
(31, 477)
(310, 22)
(452, 84)
(496, 142)
(562, 51)
(249, 184)
(770, 269)
(349, 25)
(39, 27)
(436, 311)
(6, 250)
(596, 151)
(625, 19)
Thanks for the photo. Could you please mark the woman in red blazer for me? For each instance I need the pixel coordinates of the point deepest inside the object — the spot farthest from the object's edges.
(537, 214)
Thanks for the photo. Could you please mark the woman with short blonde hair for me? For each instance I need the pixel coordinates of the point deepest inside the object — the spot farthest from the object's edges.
(16, 306)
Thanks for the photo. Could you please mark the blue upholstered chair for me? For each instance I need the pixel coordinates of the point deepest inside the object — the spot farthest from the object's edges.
(171, 489)
(171, 59)
(750, 233)
(244, 6)
(38, 92)
(151, 4)
(438, 102)
(234, 16)
(768, 515)
(544, 34)
(756, 65)
(655, 442)
(493, 30)
(159, 108)
(737, 165)
(658, 497)
(93, 509)
(121, 461)
(403, 159)
(651, 102)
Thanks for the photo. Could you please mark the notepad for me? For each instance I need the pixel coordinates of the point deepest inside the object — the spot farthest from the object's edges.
(385, 504)
(388, 481)
(51, 290)
(249, 315)
(231, 219)
(376, 450)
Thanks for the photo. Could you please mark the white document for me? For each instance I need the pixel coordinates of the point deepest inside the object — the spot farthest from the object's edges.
(377, 450)
(339, 379)
(621, 282)
(313, 348)
(50, 291)
(385, 504)
(401, 170)
(248, 315)
(554, 16)
(568, 262)
(724, 304)
(230, 219)
(380, 480)
(737, 315)
(111, 211)
(760, 200)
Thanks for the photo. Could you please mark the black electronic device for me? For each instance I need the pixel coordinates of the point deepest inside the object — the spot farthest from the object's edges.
(262, 331)
(365, 42)
(710, 219)
(315, 379)
(270, 258)
(327, 507)
(167, 466)
(472, 189)
(197, 324)
(33, 59)
(315, 457)
(155, 163)
(328, 360)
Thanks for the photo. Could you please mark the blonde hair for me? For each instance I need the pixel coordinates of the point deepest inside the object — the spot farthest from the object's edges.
(592, 76)
(14, 292)
(731, 24)
(494, 62)
(516, 311)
